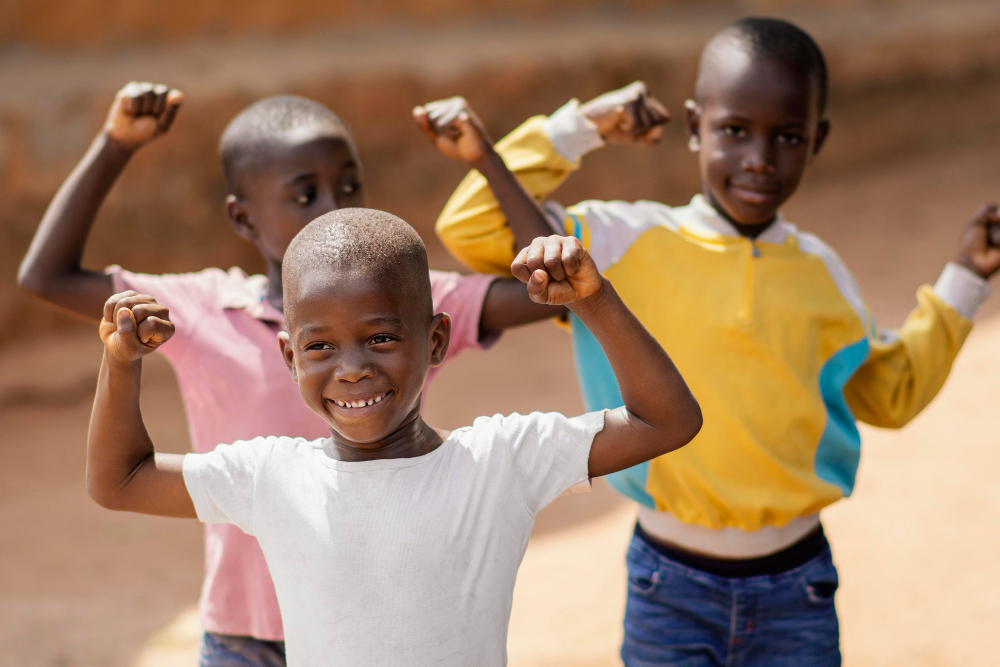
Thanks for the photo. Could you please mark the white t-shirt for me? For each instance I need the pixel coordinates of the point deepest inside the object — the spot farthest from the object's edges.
(400, 561)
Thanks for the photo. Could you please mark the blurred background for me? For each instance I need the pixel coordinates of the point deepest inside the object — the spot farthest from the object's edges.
(914, 150)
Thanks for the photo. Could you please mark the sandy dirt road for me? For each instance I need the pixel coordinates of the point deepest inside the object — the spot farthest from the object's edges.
(916, 545)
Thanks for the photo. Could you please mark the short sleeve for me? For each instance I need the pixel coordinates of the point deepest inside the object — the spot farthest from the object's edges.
(187, 295)
(550, 452)
(462, 297)
(221, 482)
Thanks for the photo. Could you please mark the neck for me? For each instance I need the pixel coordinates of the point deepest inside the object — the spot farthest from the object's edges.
(413, 438)
(274, 285)
(746, 230)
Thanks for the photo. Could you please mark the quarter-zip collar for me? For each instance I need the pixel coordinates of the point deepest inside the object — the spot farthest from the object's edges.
(703, 221)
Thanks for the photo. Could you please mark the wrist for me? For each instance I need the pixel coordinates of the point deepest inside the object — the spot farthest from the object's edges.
(593, 303)
(114, 148)
(119, 366)
(966, 262)
(490, 163)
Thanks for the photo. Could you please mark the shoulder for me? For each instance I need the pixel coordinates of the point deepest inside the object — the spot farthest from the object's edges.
(810, 244)
(454, 290)
(535, 426)
(609, 228)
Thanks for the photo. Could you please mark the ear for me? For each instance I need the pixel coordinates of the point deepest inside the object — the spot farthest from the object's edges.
(440, 338)
(822, 131)
(239, 218)
(692, 124)
(288, 354)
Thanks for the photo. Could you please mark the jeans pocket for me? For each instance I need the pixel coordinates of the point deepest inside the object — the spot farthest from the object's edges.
(821, 582)
(643, 572)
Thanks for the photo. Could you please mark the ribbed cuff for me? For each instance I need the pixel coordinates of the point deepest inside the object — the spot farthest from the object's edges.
(961, 289)
(572, 133)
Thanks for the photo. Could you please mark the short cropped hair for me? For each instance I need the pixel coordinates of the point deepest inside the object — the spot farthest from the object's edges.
(244, 141)
(360, 242)
(781, 40)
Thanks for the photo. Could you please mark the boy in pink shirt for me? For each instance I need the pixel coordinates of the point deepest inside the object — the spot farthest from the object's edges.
(287, 161)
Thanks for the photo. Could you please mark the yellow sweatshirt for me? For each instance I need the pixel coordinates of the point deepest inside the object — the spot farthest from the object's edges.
(771, 335)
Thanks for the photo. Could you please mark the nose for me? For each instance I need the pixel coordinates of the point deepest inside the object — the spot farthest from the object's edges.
(326, 202)
(759, 157)
(353, 367)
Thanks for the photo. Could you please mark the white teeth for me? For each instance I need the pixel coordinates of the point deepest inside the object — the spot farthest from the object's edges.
(360, 404)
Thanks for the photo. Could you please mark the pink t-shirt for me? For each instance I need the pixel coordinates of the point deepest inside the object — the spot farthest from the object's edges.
(235, 386)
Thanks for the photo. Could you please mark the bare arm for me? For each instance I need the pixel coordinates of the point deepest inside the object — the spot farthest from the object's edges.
(51, 268)
(123, 471)
(626, 115)
(508, 305)
(660, 414)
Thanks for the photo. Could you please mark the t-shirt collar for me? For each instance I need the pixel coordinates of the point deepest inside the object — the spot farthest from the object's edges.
(249, 293)
(700, 217)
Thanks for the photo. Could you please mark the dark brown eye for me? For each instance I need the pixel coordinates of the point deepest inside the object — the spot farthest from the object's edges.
(306, 198)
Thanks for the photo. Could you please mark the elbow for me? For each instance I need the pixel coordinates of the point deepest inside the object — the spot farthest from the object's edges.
(29, 279)
(109, 499)
(690, 423)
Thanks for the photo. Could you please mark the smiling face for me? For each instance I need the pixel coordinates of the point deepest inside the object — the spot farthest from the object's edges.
(310, 170)
(359, 348)
(757, 125)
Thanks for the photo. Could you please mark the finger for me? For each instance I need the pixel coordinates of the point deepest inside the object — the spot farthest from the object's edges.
(110, 305)
(424, 121)
(519, 267)
(553, 258)
(535, 259)
(652, 136)
(538, 287)
(160, 100)
(991, 212)
(995, 235)
(173, 101)
(468, 128)
(148, 98)
(572, 253)
(986, 214)
(144, 310)
(626, 117)
(657, 111)
(154, 331)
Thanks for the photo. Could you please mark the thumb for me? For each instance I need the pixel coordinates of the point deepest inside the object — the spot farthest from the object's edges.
(538, 286)
(126, 321)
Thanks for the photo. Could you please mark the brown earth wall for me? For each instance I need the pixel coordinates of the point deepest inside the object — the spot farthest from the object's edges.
(901, 79)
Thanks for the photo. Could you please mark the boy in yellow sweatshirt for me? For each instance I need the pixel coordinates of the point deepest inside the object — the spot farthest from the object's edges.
(729, 564)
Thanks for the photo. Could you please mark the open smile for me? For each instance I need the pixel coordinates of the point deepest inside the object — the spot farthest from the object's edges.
(360, 406)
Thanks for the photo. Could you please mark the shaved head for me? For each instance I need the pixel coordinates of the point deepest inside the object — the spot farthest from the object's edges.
(246, 141)
(749, 39)
(360, 244)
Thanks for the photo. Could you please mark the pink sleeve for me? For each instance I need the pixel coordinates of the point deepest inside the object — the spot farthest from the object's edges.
(187, 295)
(462, 297)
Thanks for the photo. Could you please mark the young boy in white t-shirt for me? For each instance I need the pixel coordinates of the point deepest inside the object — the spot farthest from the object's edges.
(390, 543)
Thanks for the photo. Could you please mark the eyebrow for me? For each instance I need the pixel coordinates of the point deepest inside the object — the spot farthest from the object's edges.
(350, 164)
(390, 320)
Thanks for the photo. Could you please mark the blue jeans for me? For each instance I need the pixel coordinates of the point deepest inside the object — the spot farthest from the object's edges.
(679, 616)
(235, 651)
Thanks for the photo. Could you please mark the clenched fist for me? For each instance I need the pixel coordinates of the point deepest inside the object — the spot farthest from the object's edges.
(141, 112)
(454, 129)
(980, 248)
(627, 115)
(558, 271)
(133, 326)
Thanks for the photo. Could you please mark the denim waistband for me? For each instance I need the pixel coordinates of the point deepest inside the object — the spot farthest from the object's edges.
(810, 546)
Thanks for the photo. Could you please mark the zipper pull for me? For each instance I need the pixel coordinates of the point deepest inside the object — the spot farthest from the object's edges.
(754, 250)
